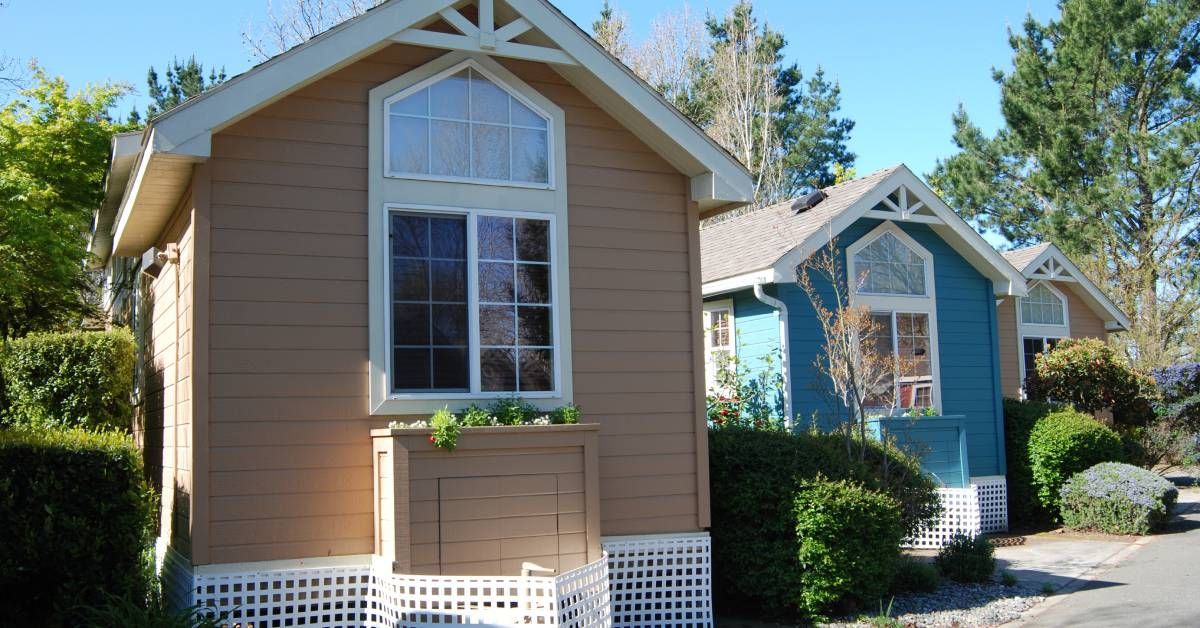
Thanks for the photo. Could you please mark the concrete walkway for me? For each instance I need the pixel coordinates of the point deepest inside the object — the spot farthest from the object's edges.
(1155, 582)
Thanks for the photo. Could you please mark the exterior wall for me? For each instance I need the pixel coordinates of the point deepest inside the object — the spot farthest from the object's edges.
(757, 327)
(1083, 322)
(163, 420)
(290, 458)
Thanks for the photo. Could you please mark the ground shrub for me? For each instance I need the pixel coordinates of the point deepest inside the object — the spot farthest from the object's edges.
(1064, 443)
(754, 475)
(76, 379)
(967, 558)
(914, 576)
(1089, 375)
(849, 544)
(1118, 499)
(75, 519)
(1179, 390)
(1024, 509)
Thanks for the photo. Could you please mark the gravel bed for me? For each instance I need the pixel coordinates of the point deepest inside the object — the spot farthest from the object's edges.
(963, 605)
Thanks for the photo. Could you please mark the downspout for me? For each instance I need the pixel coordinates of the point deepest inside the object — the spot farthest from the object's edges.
(786, 349)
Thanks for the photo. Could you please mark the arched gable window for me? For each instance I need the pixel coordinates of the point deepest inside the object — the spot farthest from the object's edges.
(466, 125)
(889, 266)
(1042, 307)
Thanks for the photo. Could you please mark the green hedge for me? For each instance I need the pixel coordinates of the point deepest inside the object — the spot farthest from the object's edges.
(754, 476)
(1118, 499)
(77, 379)
(1024, 509)
(75, 519)
(1064, 443)
(849, 545)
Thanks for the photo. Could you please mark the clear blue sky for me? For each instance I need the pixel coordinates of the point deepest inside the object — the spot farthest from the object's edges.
(903, 66)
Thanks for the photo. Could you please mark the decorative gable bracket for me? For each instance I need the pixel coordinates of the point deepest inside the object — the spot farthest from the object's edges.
(484, 37)
(905, 206)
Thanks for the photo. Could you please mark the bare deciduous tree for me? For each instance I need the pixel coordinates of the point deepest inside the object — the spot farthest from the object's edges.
(669, 57)
(610, 31)
(293, 22)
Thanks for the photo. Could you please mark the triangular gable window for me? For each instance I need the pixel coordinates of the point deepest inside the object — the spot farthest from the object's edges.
(1042, 307)
(888, 266)
(465, 125)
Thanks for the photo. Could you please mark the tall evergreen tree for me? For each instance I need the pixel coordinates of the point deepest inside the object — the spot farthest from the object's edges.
(184, 80)
(1100, 152)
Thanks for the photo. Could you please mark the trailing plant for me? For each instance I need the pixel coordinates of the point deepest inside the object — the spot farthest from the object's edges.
(1064, 443)
(967, 558)
(447, 426)
(1118, 499)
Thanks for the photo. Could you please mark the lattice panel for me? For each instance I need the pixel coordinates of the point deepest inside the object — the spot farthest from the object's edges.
(328, 596)
(583, 596)
(420, 601)
(993, 504)
(960, 513)
(661, 581)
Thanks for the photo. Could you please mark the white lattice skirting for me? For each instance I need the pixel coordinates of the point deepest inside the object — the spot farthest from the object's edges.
(980, 508)
(661, 580)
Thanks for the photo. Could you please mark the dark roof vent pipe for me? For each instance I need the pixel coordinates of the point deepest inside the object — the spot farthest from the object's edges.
(808, 201)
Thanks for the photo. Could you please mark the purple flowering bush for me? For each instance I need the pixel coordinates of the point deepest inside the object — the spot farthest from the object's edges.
(1118, 499)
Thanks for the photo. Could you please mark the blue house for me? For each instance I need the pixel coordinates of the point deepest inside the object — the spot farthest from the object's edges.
(931, 283)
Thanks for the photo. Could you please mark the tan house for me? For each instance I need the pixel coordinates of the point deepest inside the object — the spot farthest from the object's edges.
(1062, 303)
(434, 204)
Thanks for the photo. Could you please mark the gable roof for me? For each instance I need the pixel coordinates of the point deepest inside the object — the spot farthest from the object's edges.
(765, 245)
(1047, 262)
(534, 30)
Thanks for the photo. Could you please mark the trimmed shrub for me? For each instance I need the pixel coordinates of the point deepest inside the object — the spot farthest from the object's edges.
(967, 558)
(754, 475)
(1064, 443)
(849, 545)
(1118, 499)
(1024, 509)
(77, 379)
(914, 576)
(1089, 375)
(75, 516)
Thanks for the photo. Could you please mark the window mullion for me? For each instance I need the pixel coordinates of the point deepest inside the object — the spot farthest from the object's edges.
(896, 360)
(473, 304)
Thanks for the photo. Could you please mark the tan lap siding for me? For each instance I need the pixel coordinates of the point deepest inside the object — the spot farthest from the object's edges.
(1084, 321)
(290, 467)
(1010, 359)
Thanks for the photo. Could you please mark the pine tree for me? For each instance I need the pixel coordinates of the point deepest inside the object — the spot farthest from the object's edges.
(184, 80)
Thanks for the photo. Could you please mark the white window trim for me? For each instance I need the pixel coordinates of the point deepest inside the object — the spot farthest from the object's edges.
(503, 85)
(904, 304)
(716, 306)
(473, 348)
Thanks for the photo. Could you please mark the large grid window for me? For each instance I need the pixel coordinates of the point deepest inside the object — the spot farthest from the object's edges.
(1042, 307)
(472, 303)
(1031, 347)
(465, 126)
(904, 337)
(888, 266)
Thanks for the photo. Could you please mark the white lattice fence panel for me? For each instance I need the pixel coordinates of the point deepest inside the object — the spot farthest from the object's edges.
(661, 581)
(321, 596)
(960, 513)
(415, 601)
(993, 504)
(583, 596)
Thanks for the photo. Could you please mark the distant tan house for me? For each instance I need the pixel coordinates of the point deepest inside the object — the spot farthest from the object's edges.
(1062, 303)
(431, 205)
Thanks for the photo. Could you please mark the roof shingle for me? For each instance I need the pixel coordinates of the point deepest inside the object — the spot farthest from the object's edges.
(1020, 258)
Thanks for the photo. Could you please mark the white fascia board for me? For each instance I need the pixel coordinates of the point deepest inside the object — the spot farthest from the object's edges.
(187, 129)
(738, 282)
(134, 185)
(1115, 319)
(731, 183)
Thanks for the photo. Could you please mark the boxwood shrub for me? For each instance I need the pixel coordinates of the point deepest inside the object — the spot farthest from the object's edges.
(967, 558)
(1118, 499)
(1064, 443)
(75, 519)
(1024, 509)
(849, 545)
(76, 379)
(754, 476)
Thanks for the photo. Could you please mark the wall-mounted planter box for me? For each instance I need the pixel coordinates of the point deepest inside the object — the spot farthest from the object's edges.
(940, 442)
(504, 496)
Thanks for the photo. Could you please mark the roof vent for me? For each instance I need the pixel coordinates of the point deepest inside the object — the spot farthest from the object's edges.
(808, 201)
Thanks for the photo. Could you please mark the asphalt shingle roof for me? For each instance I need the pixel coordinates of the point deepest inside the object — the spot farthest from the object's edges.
(1020, 258)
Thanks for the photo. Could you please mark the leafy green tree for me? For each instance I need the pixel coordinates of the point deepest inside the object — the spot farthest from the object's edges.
(53, 155)
(184, 80)
(1100, 153)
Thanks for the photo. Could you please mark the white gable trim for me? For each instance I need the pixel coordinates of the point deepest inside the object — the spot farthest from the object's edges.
(1114, 318)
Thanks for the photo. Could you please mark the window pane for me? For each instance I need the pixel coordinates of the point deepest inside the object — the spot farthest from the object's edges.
(496, 282)
(410, 236)
(448, 237)
(533, 283)
(489, 103)
(495, 237)
(489, 156)
(449, 281)
(498, 370)
(497, 325)
(533, 325)
(450, 325)
(525, 116)
(450, 149)
(888, 266)
(410, 324)
(533, 240)
(529, 156)
(536, 370)
(450, 369)
(410, 279)
(448, 97)
(416, 104)
(410, 369)
(409, 145)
